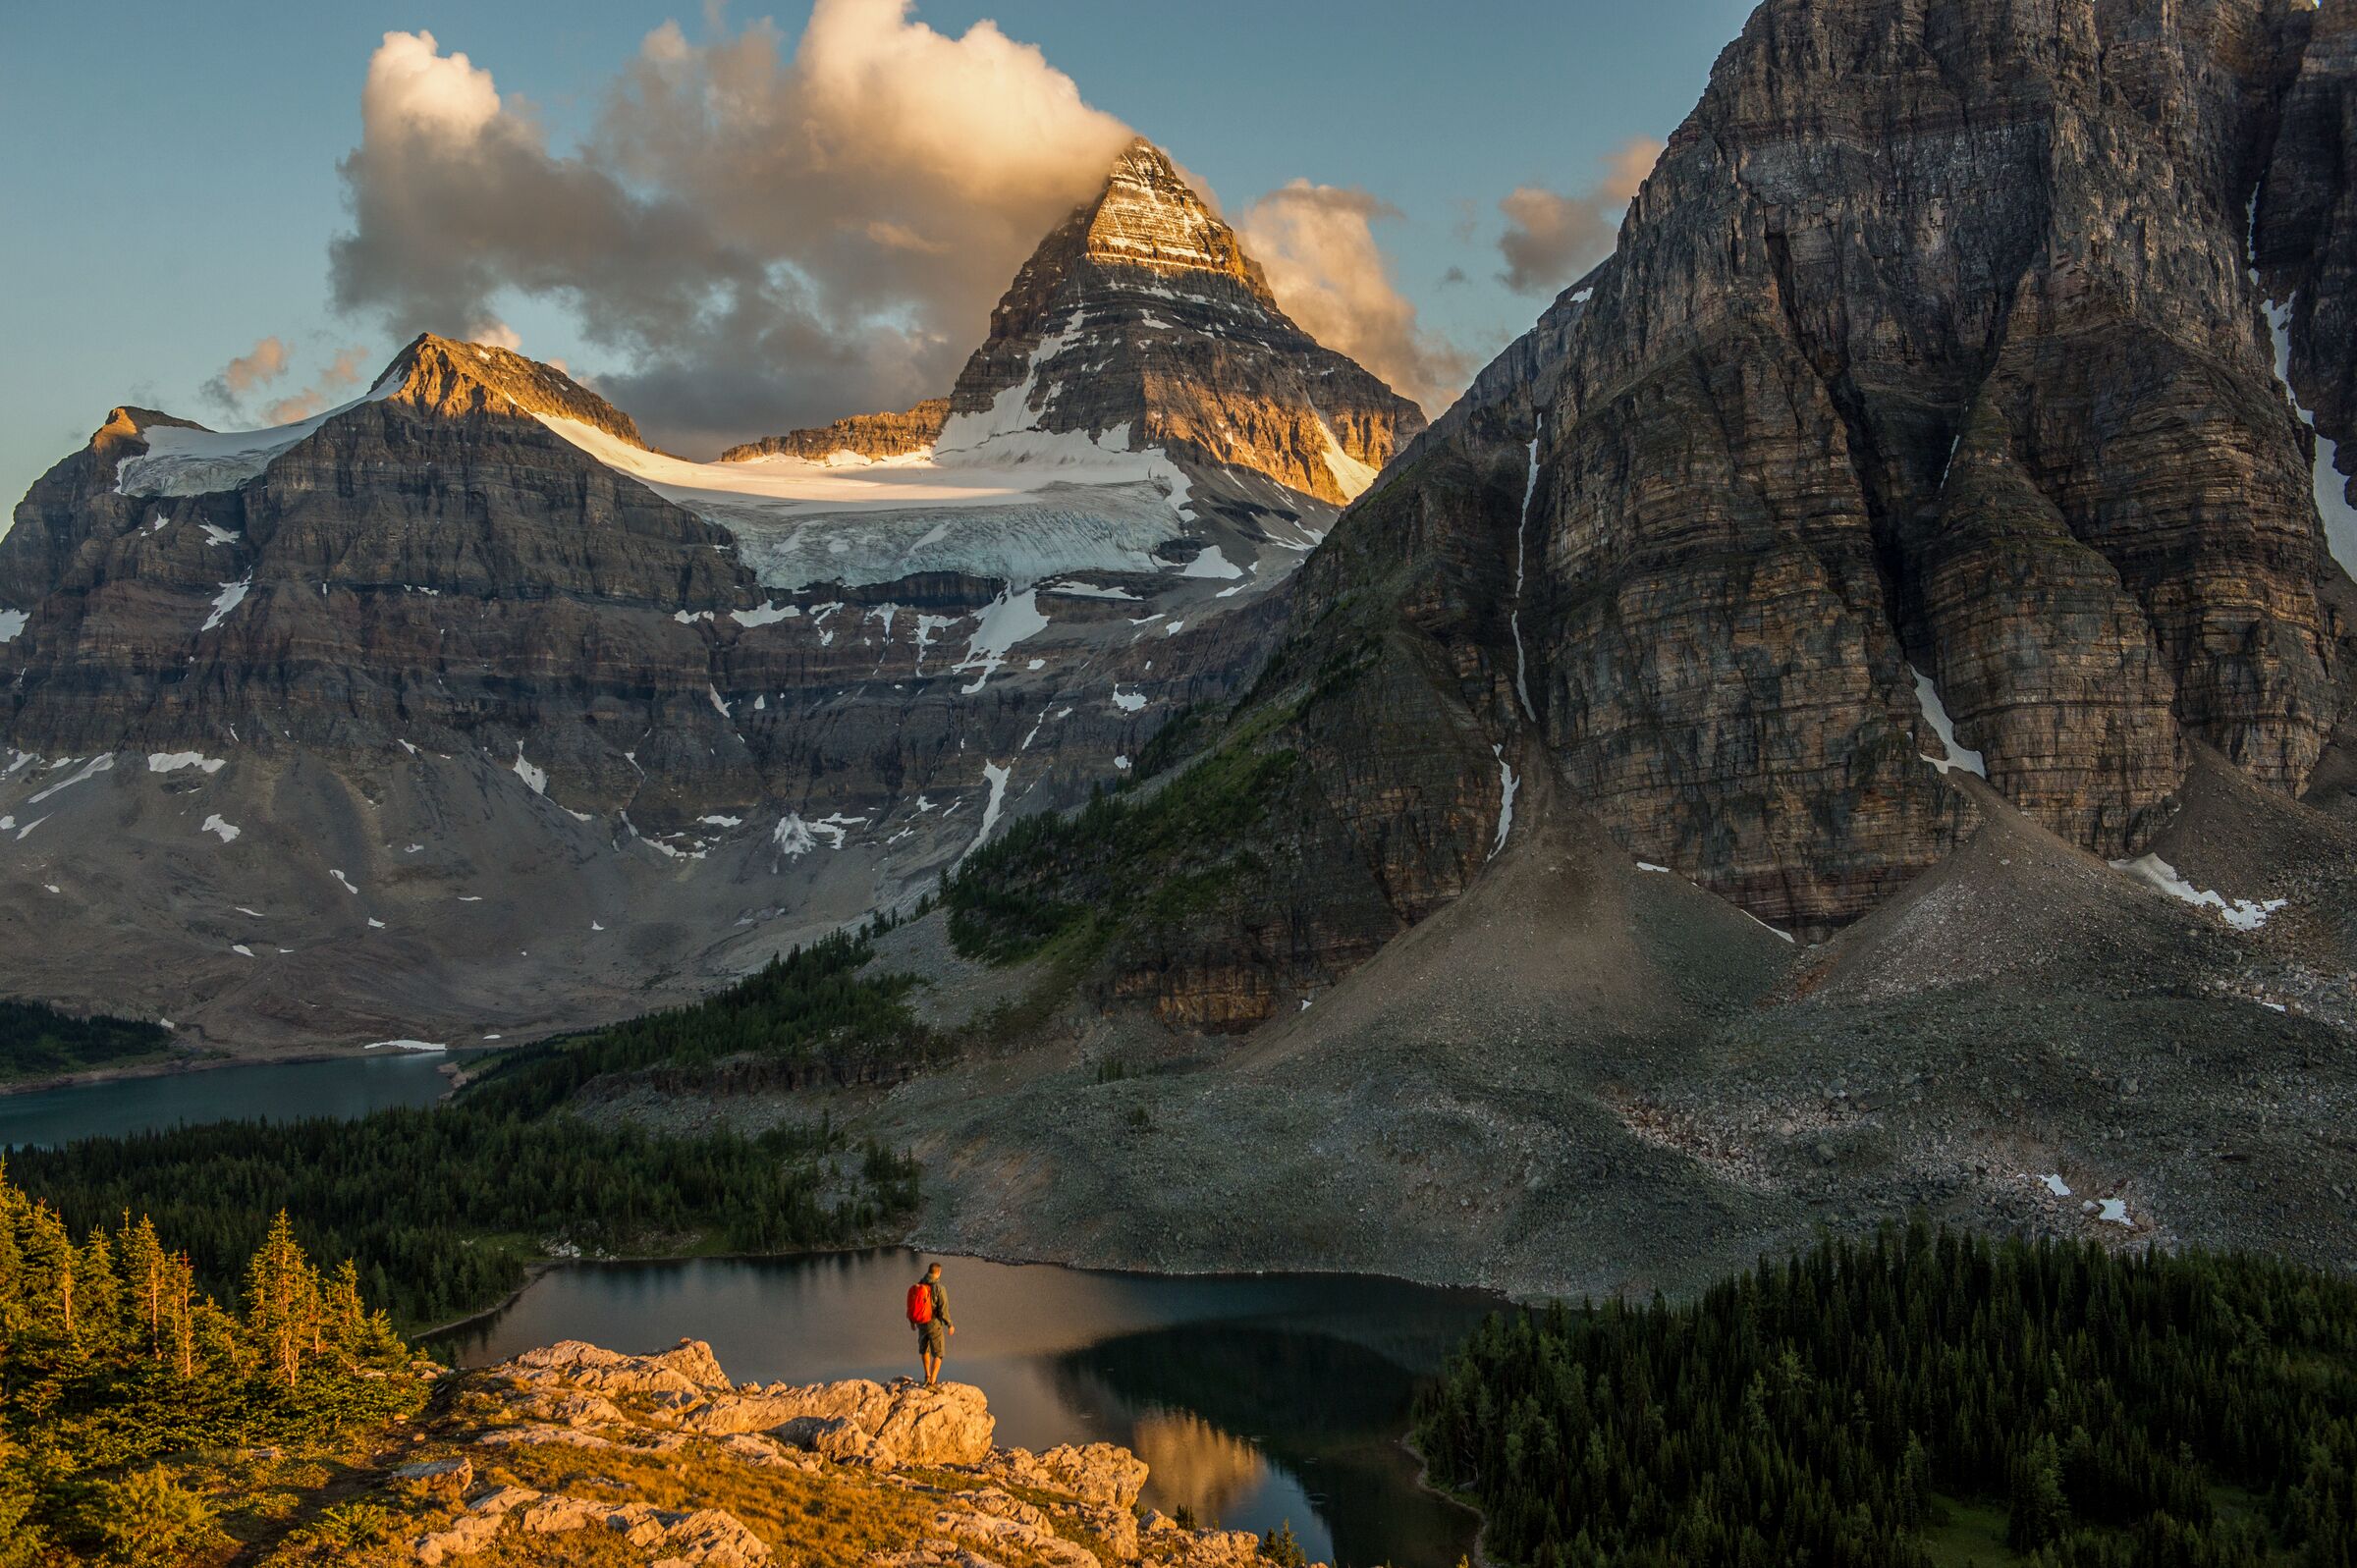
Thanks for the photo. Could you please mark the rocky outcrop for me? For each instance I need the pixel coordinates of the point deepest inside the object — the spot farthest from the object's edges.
(571, 1438)
(862, 434)
(1140, 321)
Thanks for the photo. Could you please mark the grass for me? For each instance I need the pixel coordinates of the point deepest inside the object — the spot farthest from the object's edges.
(1972, 1534)
(828, 1517)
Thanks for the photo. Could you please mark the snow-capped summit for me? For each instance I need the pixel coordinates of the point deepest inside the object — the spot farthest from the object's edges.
(1141, 323)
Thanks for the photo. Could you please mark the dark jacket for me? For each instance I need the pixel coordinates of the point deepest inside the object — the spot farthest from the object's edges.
(941, 1304)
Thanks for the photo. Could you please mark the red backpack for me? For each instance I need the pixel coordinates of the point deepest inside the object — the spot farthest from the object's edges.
(920, 1304)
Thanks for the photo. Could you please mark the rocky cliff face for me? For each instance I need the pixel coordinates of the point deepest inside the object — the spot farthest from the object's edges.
(1141, 320)
(1923, 423)
(862, 434)
(1930, 348)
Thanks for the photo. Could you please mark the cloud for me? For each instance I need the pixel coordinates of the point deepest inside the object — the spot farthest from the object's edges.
(1551, 239)
(761, 234)
(761, 237)
(341, 374)
(1317, 244)
(265, 363)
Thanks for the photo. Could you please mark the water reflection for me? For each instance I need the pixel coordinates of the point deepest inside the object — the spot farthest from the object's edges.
(1256, 1400)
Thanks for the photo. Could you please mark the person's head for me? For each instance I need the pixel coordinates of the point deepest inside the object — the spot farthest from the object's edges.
(934, 1273)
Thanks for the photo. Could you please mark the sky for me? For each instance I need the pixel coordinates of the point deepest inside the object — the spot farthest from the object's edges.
(736, 219)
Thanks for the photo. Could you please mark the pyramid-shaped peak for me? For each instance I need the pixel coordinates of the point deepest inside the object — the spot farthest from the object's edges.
(1148, 215)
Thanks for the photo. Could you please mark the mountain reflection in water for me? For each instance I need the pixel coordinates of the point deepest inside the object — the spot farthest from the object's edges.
(1257, 1400)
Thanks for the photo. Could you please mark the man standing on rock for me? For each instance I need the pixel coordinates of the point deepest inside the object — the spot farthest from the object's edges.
(930, 1312)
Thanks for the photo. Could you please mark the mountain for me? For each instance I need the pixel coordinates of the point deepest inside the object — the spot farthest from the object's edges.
(1850, 711)
(1141, 324)
(462, 709)
(1141, 317)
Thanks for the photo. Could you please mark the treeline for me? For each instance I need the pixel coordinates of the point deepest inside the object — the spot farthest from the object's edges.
(37, 1041)
(1818, 1410)
(1155, 858)
(442, 1208)
(810, 1011)
(111, 1353)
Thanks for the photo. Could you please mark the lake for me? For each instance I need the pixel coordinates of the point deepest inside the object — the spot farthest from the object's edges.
(1256, 1399)
(279, 1091)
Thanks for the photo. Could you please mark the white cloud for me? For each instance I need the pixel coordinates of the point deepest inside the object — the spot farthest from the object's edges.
(762, 238)
(1317, 244)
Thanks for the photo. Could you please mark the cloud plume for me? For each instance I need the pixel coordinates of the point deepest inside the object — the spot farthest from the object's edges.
(761, 237)
(264, 363)
(341, 375)
(1550, 239)
(1317, 244)
(757, 235)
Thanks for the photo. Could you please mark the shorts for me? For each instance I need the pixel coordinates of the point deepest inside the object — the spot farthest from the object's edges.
(931, 1338)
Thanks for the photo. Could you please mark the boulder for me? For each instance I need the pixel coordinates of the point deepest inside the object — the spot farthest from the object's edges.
(908, 1425)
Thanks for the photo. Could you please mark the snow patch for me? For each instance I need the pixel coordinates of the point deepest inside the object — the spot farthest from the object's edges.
(793, 837)
(1007, 621)
(406, 1045)
(104, 761)
(2332, 493)
(534, 779)
(998, 777)
(766, 613)
(12, 621)
(1212, 564)
(232, 595)
(214, 824)
(174, 761)
(1509, 786)
(184, 461)
(1934, 714)
(2057, 1185)
(1351, 476)
(1127, 701)
(346, 881)
(1082, 590)
(2244, 914)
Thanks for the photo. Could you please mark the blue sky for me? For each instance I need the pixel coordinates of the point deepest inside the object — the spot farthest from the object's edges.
(171, 177)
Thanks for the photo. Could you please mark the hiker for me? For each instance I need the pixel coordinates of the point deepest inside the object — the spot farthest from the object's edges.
(929, 1315)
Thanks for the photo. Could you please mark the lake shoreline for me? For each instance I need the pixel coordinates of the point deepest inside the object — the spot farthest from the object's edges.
(1261, 1399)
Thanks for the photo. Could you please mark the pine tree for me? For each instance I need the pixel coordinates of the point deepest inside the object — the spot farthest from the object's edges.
(2037, 1511)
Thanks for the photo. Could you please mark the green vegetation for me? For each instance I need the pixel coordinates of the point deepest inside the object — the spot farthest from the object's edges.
(2144, 1410)
(1156, 859)
(443, 1209)
(39, 1042)
(112, 1359)
(807, 1018)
